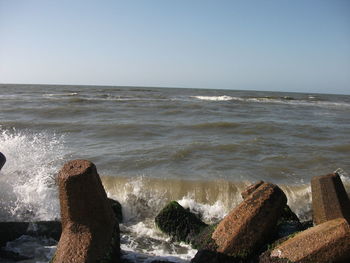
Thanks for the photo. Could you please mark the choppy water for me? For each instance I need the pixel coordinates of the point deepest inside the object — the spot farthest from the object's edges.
(152, 145)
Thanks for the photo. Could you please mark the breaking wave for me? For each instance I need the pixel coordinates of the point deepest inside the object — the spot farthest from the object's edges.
(310, 101)
(28, 190)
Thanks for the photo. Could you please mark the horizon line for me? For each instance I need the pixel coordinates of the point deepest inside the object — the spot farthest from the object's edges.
(170, 87)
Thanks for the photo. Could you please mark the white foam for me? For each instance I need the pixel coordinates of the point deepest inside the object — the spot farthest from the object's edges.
(137, 202)
(216, 98)
(27, 178)
(60, 94)
(208, 213)
(282, 100)
(143, 242)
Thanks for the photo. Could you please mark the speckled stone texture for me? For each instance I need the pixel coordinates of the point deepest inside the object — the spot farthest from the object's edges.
(329, 199)
(90, 229)
(326, 242)
(252, 223)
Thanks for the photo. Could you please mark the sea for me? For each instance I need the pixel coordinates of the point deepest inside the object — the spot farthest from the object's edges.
(200, 147)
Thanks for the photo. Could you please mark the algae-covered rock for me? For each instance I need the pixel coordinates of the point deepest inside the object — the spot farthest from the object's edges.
(204, 241)
(178, 222)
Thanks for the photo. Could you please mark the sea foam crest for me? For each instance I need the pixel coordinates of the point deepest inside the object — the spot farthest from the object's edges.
(28, 190)
(208, 213)
(278, 100)
(215, 98)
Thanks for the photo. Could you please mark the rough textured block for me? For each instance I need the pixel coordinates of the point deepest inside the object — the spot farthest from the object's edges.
(329, 199)
(252, 223)
(327, 242)
(250, 189)
(90, 231)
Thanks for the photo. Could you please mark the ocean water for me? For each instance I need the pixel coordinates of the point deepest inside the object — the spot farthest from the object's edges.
(154, 145)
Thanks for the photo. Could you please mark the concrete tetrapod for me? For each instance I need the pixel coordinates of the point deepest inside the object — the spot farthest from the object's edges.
(90, 231)
(326, 242)
(329, 198)
(252, 223)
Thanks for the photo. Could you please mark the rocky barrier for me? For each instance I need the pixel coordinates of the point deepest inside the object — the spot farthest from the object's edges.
(261, 229)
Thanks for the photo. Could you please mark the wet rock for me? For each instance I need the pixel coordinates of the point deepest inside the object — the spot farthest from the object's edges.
(161, 261)
(117, 209)
(288, 228)
(2, 160)
(288, 223)
(178, 222)
(204, 240)
(13, 256)
(288, 215)
(326, 242)
(252, 223)
(48, 229)
(307, 224)
(12, 230)
(329, 198)
(90, 230)
(209, 256)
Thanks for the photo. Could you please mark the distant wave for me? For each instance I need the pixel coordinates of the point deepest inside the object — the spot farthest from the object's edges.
(216, 98)
(311, 101)
(78, 98)
(61, 94)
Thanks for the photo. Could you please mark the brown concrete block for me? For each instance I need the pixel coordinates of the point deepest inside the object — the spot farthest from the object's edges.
(250, 189)
(329, 199)
(90, 231)
(251, 223)
(324, 243)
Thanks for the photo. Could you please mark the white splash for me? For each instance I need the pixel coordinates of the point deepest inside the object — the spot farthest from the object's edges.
(208, 213)
(28, 190)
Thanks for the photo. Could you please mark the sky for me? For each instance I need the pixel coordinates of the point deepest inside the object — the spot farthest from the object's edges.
(282, 45)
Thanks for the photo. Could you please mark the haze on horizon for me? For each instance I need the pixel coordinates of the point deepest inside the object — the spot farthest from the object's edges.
(277, 45)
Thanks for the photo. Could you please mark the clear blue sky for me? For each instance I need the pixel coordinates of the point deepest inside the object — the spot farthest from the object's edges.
(287, 45)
